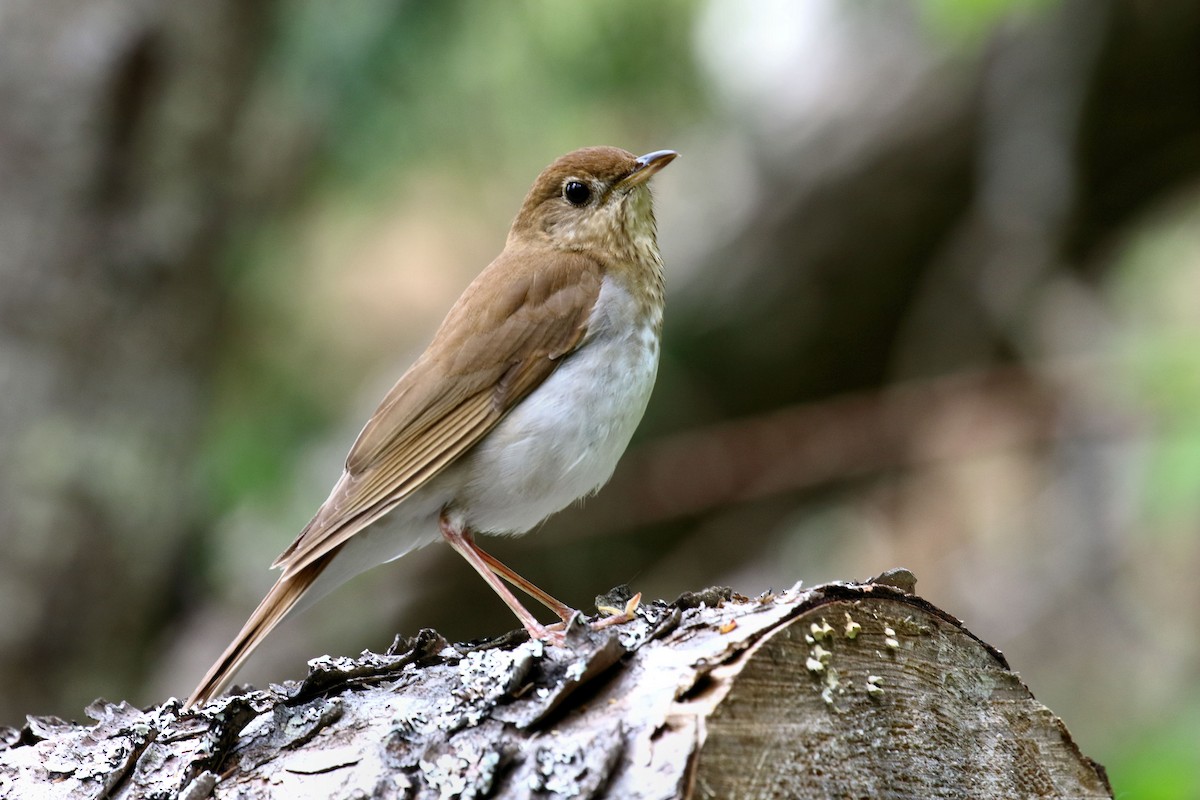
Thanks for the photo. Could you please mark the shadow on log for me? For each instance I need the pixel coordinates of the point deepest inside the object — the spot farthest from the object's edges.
(842, 690)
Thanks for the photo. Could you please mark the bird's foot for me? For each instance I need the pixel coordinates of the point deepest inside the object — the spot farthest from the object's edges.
(555, 634)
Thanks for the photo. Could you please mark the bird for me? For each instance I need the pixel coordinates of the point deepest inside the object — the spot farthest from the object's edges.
(522, 404)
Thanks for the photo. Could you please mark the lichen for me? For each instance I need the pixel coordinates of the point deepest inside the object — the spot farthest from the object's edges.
(466, 774)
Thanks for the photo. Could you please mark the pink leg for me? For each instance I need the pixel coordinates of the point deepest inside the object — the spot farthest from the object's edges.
(564, 611)
(464, 545)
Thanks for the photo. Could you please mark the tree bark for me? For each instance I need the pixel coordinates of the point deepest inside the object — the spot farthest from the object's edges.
(843, 690)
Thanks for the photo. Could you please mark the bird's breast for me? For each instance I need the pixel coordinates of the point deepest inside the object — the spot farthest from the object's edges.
(564, 439)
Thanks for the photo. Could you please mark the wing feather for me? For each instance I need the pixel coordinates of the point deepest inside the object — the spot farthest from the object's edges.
(493, 349)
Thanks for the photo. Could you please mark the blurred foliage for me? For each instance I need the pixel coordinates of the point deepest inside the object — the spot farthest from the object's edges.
(264, 418)
(1161, 764)
(968, 22)
(459, 82)
(1155, 289)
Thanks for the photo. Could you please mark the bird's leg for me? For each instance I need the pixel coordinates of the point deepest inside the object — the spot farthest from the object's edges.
(564, 611)
(613, 616)
(463, 543)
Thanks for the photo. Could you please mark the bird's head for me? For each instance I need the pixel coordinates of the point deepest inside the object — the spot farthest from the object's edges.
(593, 199)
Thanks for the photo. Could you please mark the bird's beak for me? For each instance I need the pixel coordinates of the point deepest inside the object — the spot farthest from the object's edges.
(646, 166)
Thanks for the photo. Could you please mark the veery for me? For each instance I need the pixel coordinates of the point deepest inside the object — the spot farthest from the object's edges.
(522, 404)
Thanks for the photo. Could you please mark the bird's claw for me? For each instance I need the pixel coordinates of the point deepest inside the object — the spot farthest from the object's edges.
(556, 633)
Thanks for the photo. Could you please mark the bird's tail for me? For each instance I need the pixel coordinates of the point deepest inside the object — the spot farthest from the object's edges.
(282, 598)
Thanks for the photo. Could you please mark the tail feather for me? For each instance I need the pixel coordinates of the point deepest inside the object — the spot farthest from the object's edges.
(282, 598)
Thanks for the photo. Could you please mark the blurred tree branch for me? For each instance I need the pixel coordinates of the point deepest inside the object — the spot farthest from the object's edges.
(811, 445)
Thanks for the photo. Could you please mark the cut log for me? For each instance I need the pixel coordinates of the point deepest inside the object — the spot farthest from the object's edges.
(842, 690)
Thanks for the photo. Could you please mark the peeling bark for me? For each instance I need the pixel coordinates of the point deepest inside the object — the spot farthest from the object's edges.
(843, 690)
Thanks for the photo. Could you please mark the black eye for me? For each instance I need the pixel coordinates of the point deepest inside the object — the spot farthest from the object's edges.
(576, 193)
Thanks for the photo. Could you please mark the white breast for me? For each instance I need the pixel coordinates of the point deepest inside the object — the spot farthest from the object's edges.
(563, 441)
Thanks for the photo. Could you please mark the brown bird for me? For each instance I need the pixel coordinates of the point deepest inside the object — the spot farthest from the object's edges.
(523, 403)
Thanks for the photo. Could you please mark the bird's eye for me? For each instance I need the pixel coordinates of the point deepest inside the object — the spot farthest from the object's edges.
(576, 193)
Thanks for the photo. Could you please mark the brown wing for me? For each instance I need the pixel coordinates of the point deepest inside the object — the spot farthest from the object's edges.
(503, 337)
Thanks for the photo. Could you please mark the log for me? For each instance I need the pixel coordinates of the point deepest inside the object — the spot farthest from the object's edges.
(841, 690)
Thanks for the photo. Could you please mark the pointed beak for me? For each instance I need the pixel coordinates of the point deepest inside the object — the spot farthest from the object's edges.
(646, 166)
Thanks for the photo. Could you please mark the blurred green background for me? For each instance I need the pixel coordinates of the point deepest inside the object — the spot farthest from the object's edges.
(934, 302)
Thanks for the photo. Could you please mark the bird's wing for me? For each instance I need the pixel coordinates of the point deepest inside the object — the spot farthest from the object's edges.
(490, 353)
